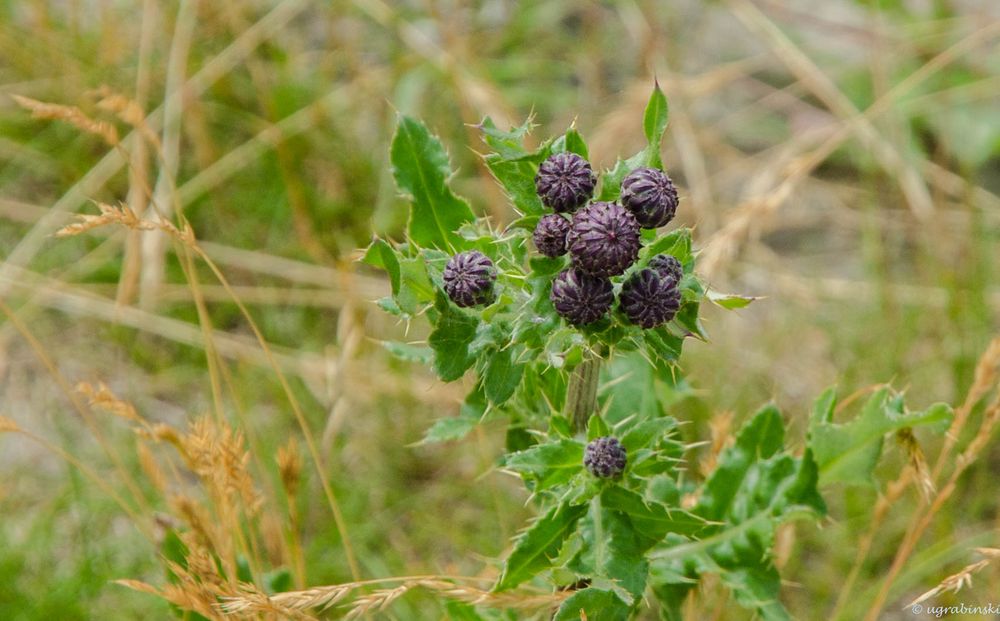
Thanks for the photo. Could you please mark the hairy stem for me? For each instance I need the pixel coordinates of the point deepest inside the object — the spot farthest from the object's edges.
(581, 394)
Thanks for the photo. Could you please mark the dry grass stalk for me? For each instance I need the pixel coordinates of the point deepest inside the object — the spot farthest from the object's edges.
(190, 592)
(149, 466)
(720, 428)
(70, 114)
(203, 529)
(161, 432)
(918, 462)
(198, 584)
(7, 425)
(250, 600)
(102, 397)
(987, 374)
(990, 553)
(379, 600)
(953, 583)
(185, 235)
(129, 111)
(124, 216)
(110, 214)
(218, 456)
(509, 599)
(290, 467)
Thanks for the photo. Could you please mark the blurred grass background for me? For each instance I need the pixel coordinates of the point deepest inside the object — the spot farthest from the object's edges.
(839, 158)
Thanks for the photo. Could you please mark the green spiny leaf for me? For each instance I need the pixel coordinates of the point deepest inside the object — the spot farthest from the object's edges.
(515, 168)
(651, 519)
(451, 428)
(502, 376)
(421, 169)
(380, 254)
(415, 287)
(571, 142)
(654, 123)
(536, 546)
(730, 301)
(457, 427)
(408, 352)
(759, 438)
(848, 452)
(676, 242)
(647, 433)
(597, 428)
(593, 604)
(629, 389)
(549, 464)
(451, 339)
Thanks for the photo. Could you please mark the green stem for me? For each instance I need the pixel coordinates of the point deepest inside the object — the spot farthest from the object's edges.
(599, 541)
(581, 394)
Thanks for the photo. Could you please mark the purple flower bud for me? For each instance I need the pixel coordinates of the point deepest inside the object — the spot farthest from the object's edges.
(667, 265)
(649, 299)
(605, 458)
(603, 239)
(651, 196)
(565, 181)
(580, 298)
(550, 235)
(469, 278)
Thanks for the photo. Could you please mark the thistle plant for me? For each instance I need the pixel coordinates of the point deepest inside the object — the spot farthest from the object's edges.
(572, 319)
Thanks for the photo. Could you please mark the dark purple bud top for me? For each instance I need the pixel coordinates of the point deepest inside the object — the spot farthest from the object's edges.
(565, 181)
(469, 278)
(603, 239)
(667, 266)
(649, 299)
(651, 196)
(580, 298)
(550, 235)
(605, 458)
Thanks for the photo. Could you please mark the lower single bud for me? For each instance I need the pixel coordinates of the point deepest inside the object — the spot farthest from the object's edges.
(605, 458)
(649, 299)
(580, 298)
(469, 278)
(550, 235)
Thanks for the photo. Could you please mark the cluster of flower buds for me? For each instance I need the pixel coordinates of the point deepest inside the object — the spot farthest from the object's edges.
(603, 241)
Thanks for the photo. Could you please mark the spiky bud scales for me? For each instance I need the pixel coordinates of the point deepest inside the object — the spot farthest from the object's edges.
(469, 278)
(605, 458)
(603, 239)
(649, 298)
(580, 298)
(667, 265)
(651, 197)
(565, 181)
(550, 235)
